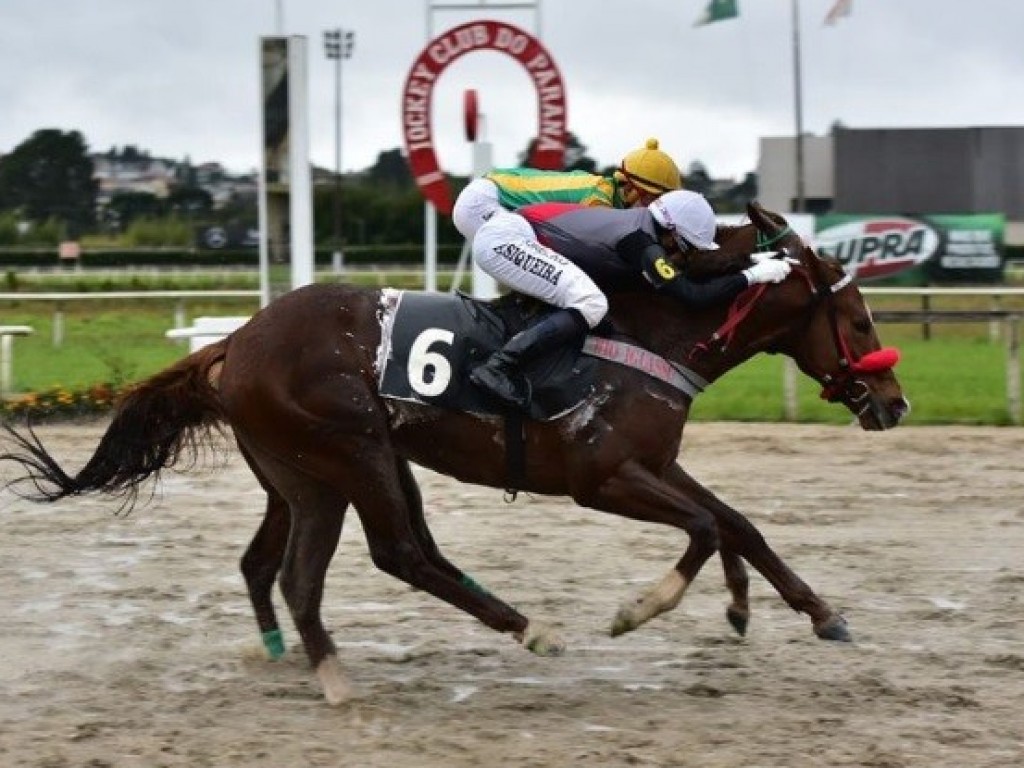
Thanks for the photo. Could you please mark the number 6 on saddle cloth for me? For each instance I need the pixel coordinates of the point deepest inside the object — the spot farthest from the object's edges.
(430, 342)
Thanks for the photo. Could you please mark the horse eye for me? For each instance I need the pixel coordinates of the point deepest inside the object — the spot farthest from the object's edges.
(862, 325)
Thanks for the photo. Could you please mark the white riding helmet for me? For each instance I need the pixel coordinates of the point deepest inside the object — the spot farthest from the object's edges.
(688, 216)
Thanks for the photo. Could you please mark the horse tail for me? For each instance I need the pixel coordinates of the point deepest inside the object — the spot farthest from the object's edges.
(158, 423)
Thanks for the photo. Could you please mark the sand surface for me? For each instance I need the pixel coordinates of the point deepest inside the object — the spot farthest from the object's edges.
(129, 642)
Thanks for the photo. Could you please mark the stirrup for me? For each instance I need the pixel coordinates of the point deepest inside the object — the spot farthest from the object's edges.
(502, 387)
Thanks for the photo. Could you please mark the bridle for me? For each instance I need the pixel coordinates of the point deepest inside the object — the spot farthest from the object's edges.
(842, 386)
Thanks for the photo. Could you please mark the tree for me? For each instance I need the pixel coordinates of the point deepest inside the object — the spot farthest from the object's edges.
(129, 154)
(125, 207)
(698, 179)
(50, 176)
(736, 198)
(190, 202)
(391, 169)
(576, 158)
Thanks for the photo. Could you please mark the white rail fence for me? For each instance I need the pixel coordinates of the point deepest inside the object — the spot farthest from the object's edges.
(181, 299)
(7, 335)
(1002, 323)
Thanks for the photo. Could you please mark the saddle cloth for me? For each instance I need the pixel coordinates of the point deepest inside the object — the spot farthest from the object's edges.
(431, 341)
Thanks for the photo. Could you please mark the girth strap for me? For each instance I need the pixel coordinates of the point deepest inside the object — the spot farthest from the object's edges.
(515, 455)
(679, 376)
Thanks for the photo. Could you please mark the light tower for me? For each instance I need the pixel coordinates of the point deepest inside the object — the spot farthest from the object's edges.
(338, 46)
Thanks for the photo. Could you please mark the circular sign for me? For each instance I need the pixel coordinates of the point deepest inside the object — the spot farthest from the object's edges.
(549, 148)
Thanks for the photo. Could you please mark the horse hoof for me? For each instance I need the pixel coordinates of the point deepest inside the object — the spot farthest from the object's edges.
(625, 621)
(336, 688)
(738, 620)
(542, 640)
(273, 643)
(835, 629)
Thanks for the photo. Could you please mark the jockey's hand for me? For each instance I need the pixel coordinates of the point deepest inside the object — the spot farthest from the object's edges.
(768, 271)
(757, 258)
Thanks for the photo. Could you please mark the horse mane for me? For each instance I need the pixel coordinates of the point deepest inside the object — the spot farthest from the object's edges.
(731, 257)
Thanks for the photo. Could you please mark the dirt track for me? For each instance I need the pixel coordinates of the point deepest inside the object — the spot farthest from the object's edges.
(129, 642)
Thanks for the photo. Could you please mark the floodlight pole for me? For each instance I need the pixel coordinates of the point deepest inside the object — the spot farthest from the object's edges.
(338, 46)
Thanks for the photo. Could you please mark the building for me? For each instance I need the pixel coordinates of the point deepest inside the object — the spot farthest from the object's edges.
(776, 173)
(132, 171)
(901, 170)
(137, 174)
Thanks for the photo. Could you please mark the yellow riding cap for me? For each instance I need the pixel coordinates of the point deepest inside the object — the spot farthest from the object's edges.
(650, 169)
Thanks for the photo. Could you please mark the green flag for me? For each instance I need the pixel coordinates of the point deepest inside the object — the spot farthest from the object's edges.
(718, 10)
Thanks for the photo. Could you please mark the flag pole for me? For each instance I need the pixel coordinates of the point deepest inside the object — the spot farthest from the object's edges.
(798, 99)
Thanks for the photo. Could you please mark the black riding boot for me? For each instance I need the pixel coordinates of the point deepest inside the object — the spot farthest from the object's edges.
(498, 375)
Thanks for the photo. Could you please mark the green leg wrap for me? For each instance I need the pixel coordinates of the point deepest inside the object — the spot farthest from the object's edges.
(273, 641)
(467, 581)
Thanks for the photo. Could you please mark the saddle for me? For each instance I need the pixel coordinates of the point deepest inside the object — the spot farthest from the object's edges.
(431, 341)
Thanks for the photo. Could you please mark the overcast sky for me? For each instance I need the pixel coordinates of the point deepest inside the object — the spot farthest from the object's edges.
(180, 77)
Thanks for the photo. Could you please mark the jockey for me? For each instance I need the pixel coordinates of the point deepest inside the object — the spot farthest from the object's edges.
(642, 175)
(585, 243)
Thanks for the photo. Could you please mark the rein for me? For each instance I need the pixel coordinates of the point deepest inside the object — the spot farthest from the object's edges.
(764, 243)
(839, 387)
(743, 304)
(738, 311)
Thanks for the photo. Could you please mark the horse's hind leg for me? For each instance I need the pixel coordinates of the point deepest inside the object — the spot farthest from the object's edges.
(739, 536)
(389, 506)
(262, 559)
(314, 513)
(312, 542)
(260, 565)
(262, 562)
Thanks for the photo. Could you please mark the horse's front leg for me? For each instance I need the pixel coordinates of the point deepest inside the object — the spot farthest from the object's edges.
(636, 492)
(738, 584)
(739, 536)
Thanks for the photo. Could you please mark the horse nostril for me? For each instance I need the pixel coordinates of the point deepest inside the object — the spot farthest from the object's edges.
(899, 408)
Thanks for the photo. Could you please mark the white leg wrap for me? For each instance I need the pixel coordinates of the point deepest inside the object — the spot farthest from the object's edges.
(336, 687)
(542, 640)
(663, 596)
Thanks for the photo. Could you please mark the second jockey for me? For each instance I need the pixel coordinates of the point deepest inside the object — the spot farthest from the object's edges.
(612, 245)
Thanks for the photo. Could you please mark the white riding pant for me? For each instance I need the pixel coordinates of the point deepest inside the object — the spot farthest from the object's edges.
(475, 205)
(506, 248)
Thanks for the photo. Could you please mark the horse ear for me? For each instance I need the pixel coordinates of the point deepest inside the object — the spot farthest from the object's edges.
(758, 216)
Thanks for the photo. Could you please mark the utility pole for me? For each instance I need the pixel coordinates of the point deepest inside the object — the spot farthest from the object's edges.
(798, 101)
(338, 45)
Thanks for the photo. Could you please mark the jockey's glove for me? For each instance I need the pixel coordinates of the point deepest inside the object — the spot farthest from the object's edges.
(757, 258)
(767, 271)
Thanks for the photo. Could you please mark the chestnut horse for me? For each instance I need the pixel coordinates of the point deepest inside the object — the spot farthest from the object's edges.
(298, 388)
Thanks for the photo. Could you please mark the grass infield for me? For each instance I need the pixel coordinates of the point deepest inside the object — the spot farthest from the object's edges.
(957, 376)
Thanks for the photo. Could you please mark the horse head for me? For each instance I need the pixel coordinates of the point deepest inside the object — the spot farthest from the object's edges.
(829, 333)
